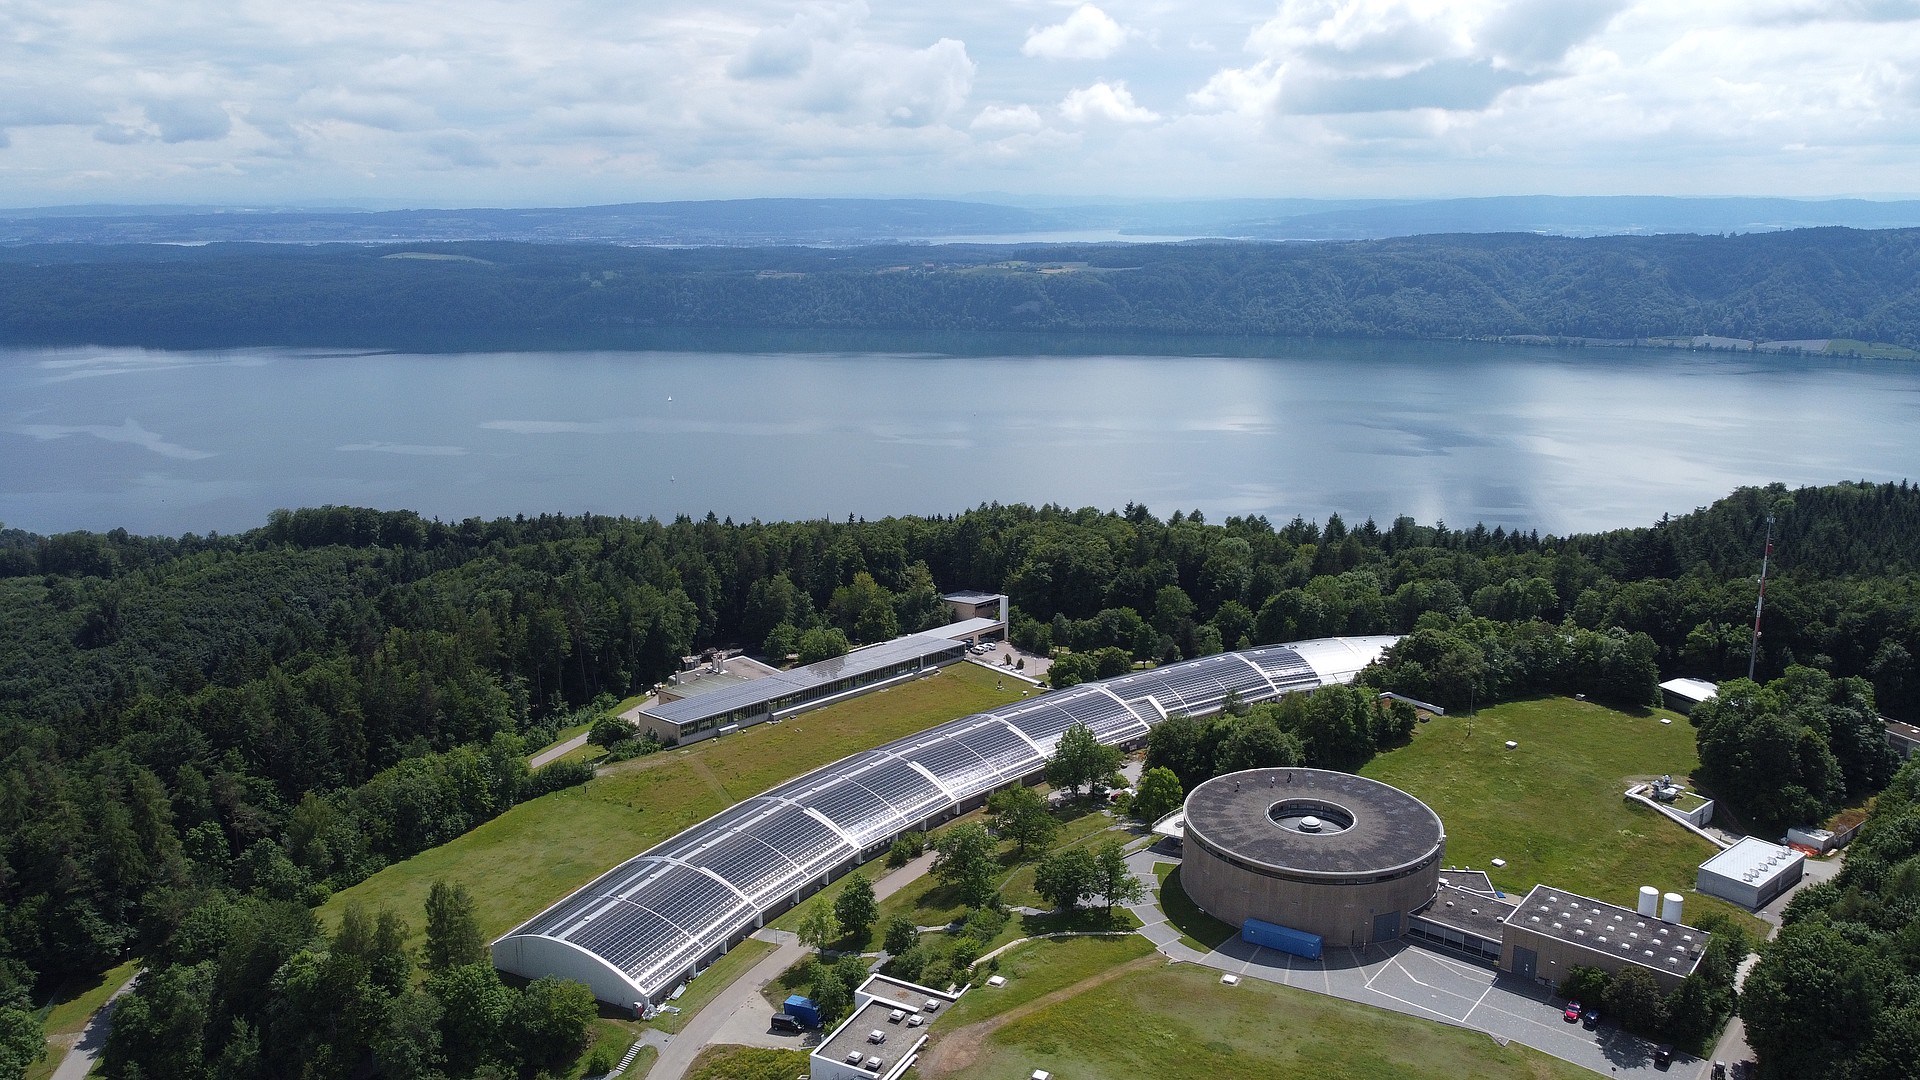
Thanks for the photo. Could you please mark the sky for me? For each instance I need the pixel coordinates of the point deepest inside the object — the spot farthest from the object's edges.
(581, 102)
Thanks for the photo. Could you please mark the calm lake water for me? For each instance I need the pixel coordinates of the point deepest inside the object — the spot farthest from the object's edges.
(1560, 440)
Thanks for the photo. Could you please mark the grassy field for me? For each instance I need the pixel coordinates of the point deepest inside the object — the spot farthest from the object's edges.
(1178, 1022)
(1198, 930)
(1552, 807)
(727, 1062)
(1041, 967)
(72, 1004)
(1881, 349)
(613, 1037)
(537, 852)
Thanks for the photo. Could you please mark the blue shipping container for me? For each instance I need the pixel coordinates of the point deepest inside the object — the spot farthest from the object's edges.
(803, 1009)
(1284, 938)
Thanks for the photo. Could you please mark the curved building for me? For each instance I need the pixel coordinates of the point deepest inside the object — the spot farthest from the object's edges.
(646, 925)
(1329, 854)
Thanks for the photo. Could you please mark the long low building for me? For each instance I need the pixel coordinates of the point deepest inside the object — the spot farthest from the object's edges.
(642, 928)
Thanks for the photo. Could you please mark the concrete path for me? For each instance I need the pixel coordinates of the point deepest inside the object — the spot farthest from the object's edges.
(558, 750)
(93, 1038)
(740, 1015)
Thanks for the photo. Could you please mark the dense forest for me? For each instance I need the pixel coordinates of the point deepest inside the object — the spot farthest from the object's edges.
(201, 737)
(1805, 284)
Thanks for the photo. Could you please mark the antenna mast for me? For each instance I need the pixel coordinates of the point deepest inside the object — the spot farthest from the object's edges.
(1753, 650)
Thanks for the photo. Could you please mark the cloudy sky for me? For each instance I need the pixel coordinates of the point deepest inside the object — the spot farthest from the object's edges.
(541, 102)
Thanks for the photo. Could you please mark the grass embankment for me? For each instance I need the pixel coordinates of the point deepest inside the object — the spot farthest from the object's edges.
(1040, 967)
(537, 852)
(1198, 930)
(1179, 1023)
(1553, 807)
(67, 1016)
(726, 1062)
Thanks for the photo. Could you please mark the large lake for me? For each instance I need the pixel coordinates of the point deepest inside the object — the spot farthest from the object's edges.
(1560, 440)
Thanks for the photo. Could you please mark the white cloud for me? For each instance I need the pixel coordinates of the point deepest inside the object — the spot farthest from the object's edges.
(1003, 118)
(1105, 102)
(1087, 34)
(499, 102)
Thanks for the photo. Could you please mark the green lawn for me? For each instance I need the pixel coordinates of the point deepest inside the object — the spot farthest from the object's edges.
(1553, 807)
(1198, 930)
(537, 852)
(614, 1037)
(726, 1062)
(1844, 346)
(1179, 1023)
(1041, 967)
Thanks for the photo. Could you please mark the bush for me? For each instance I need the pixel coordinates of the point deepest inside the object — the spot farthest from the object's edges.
(906, 848)
(554, 777)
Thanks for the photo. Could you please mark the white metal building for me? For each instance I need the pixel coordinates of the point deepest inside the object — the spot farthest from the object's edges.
(1751, 873)
(1681, 695)
(643, 927)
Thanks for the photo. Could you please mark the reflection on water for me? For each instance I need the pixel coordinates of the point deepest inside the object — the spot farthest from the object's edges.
(1559, 440)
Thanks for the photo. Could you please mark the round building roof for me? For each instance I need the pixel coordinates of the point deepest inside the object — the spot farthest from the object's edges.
(1313, 823)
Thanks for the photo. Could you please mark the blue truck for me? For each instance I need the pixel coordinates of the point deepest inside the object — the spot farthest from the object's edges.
(803, 1009)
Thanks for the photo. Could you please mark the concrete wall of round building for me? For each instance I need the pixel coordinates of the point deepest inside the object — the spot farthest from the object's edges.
(1341, 912)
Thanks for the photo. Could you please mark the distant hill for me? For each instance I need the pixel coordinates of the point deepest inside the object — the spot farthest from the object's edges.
(1801, 287)
(867, 221)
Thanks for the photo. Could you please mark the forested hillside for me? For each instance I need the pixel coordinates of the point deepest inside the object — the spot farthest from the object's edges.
(204, 735)
(1807, 284)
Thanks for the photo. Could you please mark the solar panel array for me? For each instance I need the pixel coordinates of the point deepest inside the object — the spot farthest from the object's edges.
(661, 914)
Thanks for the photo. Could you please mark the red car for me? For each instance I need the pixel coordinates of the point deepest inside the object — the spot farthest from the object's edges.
(1573, 1012)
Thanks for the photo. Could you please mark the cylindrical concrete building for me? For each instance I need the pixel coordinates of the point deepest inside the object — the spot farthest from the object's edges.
(1325, 853)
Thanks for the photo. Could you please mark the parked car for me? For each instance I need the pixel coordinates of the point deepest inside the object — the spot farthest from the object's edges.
(788, 1023)
(1591, 1017)
(1572, 1012)
(1662, 1056)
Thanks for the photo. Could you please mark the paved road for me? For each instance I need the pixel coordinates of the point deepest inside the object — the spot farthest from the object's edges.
(93, 1038)
(740, 1015)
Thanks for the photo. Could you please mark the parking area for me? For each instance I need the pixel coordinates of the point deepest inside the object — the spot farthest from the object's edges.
(1424, 982)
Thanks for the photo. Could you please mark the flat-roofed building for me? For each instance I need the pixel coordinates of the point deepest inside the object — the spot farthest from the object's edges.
(726, 708)
(969, 604)
(1681, 695)
(1904, 738)
(880, 1040)
(1553, 931)
(1751, 873)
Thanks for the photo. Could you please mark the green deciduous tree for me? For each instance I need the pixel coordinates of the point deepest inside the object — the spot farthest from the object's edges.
(1158, 794)
(548, 1023)
(818, 928)
(1112, 881)
(854, 908)
(1066, 878)
(1021, 815)
(901, 934)
(965, 860)
(1081, 760)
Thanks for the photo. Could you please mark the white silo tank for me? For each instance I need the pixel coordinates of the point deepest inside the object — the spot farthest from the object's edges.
(1672, 908)
(1649, 900)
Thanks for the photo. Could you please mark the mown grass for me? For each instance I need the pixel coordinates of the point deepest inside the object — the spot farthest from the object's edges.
(1553, 806)
(1877, 349)
(1198, 930)
(727, 1062)
(613, 1038)
(1037, 968)
(534, 854)
(1179, 1023)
